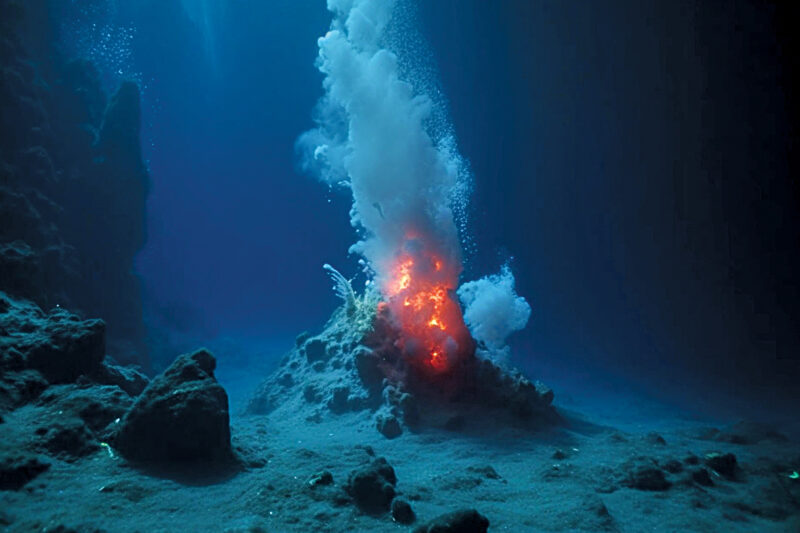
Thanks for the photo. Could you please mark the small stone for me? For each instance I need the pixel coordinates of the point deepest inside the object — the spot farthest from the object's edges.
(321, 478)
(673, 466)
(723, 464)
(655, 439)
(389, 426)
(315, 350)
(461, 521)
(559, 455)
(372, 487)
(647, 478)
(702, 477)
(692, 459)
(402, 512)
(486, 471)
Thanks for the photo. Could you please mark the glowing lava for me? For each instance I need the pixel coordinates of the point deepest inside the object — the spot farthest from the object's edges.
(419, 294)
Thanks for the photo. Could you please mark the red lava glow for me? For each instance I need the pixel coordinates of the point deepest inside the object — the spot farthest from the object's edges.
(419, 294)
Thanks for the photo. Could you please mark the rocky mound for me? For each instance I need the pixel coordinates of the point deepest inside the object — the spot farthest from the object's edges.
(353, 365)
(38, 349)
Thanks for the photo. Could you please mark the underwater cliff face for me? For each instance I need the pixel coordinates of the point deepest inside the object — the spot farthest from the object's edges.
(74, 185)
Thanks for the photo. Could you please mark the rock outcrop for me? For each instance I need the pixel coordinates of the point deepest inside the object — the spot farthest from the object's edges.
(181, 418)
(72, 182)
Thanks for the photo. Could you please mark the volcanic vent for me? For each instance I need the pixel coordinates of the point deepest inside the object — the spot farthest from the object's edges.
(380, 135)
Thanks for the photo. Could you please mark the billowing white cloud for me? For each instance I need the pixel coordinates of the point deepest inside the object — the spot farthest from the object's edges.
(372, 136)
(492, 308)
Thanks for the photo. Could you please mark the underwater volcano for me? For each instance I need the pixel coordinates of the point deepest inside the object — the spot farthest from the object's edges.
(163, 218)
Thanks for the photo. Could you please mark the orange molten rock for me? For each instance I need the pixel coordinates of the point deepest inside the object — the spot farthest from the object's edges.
(419, 295)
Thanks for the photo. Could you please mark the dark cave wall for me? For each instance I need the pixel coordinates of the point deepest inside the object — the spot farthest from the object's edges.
(73, 185)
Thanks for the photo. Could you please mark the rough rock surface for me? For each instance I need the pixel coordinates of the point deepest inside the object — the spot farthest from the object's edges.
(353, 365)
(72, 182)
(181, 417)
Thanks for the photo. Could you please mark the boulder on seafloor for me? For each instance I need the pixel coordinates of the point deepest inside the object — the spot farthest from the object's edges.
(181, 417)
(461, 521)
(372, 487)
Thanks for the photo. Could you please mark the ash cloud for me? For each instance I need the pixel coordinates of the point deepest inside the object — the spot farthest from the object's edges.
(372, 136)
(493, 310)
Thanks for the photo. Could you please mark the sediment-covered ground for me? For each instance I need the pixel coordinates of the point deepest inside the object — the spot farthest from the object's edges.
(67, 464)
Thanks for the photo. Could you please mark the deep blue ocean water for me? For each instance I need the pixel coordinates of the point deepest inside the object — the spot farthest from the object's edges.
(629, 159)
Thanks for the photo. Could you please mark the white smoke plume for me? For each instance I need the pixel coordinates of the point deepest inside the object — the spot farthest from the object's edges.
(372, 136)
(381, 136)
(493, 310)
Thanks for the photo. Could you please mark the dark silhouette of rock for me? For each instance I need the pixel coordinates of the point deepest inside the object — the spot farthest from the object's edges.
(645, 475)
(181, 417)
(389, 426)
(372, 487)
(16, 470)
(722, 463)
(461, 521)
(321, 478)
(402, 513)
(702, 477)
(673, 466)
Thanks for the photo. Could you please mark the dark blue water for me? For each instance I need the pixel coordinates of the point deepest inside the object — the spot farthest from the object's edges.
(632, 158)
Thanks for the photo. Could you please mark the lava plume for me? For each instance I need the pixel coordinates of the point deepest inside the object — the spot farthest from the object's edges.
(419, 294)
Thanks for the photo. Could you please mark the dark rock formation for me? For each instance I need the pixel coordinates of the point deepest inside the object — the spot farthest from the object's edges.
(321, 478)
(402, 513)
(702, 477)
(722, 463)
(354, 365)
(389, 426)
(72, 182)
(461, 521)
(644, 474)
(372, 487)
(181, 417)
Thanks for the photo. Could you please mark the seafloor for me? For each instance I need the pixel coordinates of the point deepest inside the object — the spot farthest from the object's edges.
(72, 457)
